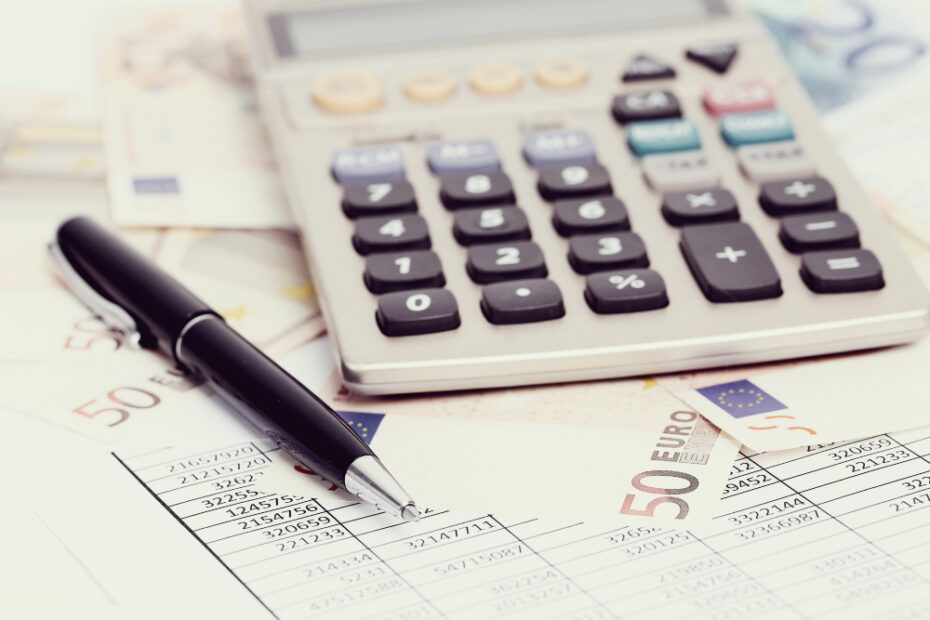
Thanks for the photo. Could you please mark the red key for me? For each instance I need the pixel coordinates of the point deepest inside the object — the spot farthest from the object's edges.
(732, 97)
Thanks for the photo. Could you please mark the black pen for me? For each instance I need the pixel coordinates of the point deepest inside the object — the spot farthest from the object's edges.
(131, 294)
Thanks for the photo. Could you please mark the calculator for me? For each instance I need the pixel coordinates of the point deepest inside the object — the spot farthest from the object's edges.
(506, 192)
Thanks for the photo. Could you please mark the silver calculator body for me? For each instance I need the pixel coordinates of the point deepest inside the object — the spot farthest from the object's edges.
(351, 78)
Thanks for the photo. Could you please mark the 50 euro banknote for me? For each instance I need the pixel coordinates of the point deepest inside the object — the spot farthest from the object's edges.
(610, 451)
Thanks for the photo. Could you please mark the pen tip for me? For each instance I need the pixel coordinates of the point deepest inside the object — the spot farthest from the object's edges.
(410, 513)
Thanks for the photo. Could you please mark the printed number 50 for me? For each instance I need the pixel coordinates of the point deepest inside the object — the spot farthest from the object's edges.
(113, 395)
(649, 510)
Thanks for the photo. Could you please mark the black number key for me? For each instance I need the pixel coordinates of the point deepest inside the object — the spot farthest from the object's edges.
(389, 234)
(494, 263)
(819, 231)
(631, 290)
(588, 215)
(699, 206)
(490, 225)
(646, 105)
(590, 253)
(573, 180)
(472, 190)
(841, 271)
(385, 273)
(797, 196)
(363, 199)
(729, 263)
(522, 301)
(417, 312)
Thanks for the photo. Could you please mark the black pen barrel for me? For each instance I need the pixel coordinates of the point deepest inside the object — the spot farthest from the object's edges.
(160, 305)
(291, 415)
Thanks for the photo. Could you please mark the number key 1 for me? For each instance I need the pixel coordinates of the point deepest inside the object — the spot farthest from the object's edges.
(385, 273)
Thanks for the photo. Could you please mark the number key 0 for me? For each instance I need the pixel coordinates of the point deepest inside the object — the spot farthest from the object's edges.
(417, 312)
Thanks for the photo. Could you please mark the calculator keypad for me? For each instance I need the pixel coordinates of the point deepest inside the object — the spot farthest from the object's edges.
(490, 224)
(729, 263)
(796, 196)
(379, 198)
(724, 255)
(841, 271)
(508, 261)
(587, 215)
(522, 301)
(631, 290)
(422, 311)
(385, 273)
(699, 206)
(391, 233)
(573, 180)
(476, 189)
(591, 253)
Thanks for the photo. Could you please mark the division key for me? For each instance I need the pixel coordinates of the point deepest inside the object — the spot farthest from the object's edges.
(729, 263)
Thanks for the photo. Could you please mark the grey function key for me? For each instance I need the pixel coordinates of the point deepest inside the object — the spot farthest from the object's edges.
(680, 171)
(522, 301)
(368, 165)
(422, 311)
(388, 234)
(841, 271)
(463, 156)
(729, 263)
(778, 160)
(559, 147)
(398, 271)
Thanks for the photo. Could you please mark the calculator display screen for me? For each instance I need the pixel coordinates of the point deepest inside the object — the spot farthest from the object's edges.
(412, 25)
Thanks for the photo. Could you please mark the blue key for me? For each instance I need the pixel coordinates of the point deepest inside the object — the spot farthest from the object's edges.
(649, 137)
(463, 157)
(380, 163)
(551, 148)
(755, 127)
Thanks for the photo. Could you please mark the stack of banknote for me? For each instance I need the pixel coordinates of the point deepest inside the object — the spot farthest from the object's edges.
(189, 179)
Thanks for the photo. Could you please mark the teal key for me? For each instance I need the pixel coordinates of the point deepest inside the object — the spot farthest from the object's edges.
(756, 127)
(667, 136)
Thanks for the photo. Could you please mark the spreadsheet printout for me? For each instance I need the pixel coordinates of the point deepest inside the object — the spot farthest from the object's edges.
(837, 530)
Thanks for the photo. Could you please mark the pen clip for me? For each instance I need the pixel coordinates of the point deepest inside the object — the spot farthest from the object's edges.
(111, 314)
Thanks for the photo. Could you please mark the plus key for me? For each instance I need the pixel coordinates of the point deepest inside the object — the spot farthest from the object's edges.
(729, 263)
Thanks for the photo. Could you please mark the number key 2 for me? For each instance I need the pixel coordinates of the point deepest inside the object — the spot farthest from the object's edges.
(361, 199)
(385, 273)
(417, 312)
(494, 263)
(388, 234)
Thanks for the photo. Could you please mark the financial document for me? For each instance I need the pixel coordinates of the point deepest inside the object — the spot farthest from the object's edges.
(824, 531)
(803, 533)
